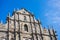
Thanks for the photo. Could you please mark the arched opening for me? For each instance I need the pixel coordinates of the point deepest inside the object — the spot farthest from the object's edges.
(25, 18)
(25, 27)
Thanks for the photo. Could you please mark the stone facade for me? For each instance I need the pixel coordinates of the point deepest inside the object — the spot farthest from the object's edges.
(22, 25)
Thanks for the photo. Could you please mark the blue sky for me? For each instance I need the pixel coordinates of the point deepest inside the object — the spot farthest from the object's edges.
(48, 11)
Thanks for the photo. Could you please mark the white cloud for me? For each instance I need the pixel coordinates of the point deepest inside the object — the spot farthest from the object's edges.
(53, 14)
(54, 3)
(55, 18)
(46, 14)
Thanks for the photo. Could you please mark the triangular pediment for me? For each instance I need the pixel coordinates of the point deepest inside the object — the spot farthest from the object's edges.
(24, 11)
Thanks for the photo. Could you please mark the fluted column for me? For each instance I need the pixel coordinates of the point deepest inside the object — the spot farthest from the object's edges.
(50, 34)
(8, 26)
(19, 27)
(40, 30)
(35, 28)
(14, 27)
(31, 28)
(54, 34)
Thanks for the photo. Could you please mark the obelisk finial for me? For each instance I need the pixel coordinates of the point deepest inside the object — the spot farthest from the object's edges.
(8, 14)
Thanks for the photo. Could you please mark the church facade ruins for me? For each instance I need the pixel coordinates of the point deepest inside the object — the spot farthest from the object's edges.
(22, 25)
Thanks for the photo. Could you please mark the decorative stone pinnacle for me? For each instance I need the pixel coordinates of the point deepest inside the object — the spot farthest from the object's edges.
(1, 21)
(14, 9)
(8, 14)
